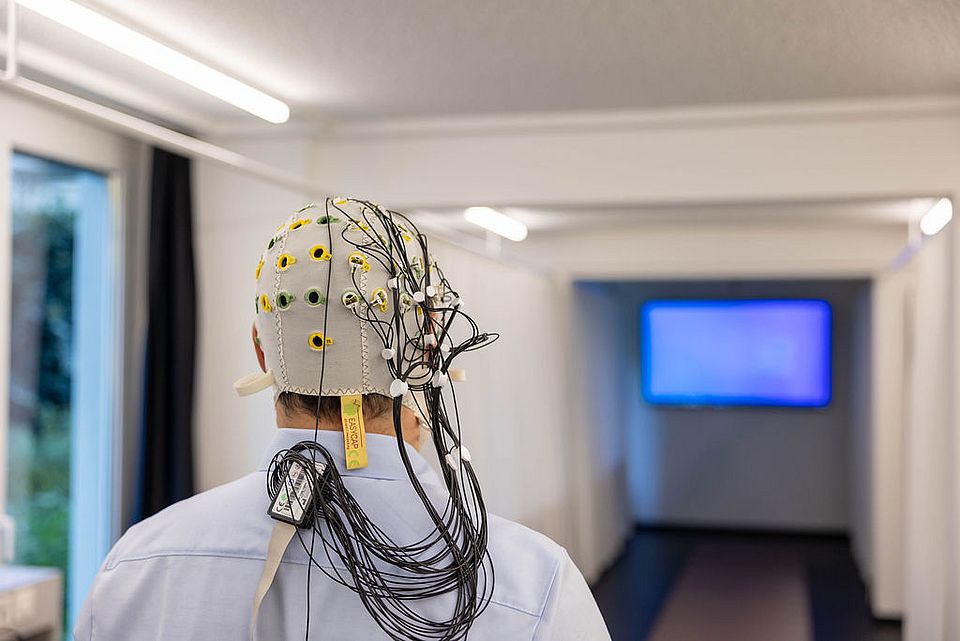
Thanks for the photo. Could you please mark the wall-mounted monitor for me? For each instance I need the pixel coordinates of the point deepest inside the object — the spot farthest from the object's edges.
(736, 352)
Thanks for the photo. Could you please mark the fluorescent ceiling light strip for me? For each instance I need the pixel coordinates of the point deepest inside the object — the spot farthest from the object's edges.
(498, 223)
(937, 217)
(161, 57)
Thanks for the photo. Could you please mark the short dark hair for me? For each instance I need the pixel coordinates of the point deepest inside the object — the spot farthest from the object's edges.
(374, 405)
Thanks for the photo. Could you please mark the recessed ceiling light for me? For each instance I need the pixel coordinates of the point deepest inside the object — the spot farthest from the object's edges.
(498, 223)
(937, 217)
(161, 57)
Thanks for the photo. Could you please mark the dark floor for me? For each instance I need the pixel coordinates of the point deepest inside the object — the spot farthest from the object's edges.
(633, 590)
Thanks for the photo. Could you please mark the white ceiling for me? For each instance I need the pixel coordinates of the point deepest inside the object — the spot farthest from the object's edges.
(350, 59)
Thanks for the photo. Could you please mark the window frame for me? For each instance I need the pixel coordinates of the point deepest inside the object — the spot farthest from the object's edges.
(50, 134)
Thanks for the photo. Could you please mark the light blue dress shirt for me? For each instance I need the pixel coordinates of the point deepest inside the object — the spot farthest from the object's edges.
(191, 571)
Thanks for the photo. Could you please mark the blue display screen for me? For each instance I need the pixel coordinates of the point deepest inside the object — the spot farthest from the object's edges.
(736, 352)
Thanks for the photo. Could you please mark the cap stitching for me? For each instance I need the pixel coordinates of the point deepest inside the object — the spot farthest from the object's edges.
(408, 399)
(276, 289)
(364, 352)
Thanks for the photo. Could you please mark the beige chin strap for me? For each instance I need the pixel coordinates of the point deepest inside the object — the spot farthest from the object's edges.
(279, 540)
(253, 383)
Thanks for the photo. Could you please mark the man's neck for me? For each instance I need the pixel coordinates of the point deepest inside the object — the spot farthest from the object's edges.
(309, 422)
(303, 421)
(306, 422)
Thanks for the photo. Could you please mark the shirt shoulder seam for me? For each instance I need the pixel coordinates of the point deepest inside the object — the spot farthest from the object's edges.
(160, 555)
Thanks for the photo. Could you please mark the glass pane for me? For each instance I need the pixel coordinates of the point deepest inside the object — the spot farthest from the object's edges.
(49, 201)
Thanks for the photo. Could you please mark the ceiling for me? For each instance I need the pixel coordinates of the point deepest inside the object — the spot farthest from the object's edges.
(349, 60)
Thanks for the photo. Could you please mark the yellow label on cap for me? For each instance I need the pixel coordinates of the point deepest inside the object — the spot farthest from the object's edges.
(354, 436)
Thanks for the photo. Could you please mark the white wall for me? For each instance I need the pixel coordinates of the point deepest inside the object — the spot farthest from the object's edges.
(597, 387)
(861, 431)
(512, 405)
(952, 558)
(930, 588)
(234, 216)
(878, 489)
(766, 468)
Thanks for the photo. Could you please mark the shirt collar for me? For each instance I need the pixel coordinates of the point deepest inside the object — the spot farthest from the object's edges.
(383, 457)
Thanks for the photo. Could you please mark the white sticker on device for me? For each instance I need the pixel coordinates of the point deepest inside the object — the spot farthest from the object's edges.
(294, 497)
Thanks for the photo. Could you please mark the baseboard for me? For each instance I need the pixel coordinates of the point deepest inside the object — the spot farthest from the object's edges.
(747, 532)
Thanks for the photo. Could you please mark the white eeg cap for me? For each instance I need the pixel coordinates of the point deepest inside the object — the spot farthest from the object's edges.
(291, 300)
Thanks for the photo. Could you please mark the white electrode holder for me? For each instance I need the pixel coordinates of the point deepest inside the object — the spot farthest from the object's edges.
(398, 388)
(457, 455)
(439, 379)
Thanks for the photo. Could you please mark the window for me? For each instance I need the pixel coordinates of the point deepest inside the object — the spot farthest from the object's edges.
(61, 436)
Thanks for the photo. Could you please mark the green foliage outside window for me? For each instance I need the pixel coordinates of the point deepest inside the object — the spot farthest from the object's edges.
(41, 359)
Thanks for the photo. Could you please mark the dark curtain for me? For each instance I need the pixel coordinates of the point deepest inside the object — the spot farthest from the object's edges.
(166, 470)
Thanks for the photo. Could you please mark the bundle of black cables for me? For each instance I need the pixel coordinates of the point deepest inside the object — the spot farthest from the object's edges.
(390, 576)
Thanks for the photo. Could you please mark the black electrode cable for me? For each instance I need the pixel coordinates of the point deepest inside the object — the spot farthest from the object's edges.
(390, 577)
